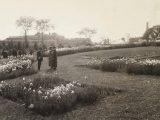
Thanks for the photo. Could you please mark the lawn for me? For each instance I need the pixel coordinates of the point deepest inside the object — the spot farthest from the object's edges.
(128, 52)
(139, 100)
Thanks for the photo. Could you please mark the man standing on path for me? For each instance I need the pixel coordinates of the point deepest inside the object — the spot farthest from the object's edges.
(53, 58)
(39, 58)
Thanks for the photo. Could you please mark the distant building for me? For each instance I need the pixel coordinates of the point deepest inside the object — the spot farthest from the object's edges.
(135, 40)
(54, 38)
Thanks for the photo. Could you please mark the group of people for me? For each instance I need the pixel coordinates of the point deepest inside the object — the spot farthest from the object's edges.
(52, 58)
(11, 52)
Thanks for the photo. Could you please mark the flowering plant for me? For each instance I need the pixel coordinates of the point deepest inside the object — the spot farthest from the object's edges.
(126, 64)
(12, 64)
(55, 95)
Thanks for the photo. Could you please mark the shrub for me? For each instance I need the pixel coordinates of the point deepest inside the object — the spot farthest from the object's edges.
(47, 82)
(147, 67)
(134, 69)
(46, 95)
(157, 43)
(156, 70)
(87, 95)
(109, 66)
(113, 65)
(144, 44)
(129, 65)
(73, 50)
(17, 73)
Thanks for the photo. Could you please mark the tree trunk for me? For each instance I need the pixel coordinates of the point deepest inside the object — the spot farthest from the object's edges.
(26, 41)
(42, 39)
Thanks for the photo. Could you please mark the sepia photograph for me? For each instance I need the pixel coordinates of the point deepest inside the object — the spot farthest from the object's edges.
(79, 59)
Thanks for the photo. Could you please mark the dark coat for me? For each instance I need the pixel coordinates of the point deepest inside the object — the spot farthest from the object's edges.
(53, 58)
(39, 56)
(14, 52)
(5, 54)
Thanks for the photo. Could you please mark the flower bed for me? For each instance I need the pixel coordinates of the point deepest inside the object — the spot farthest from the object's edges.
(14, 67)
(111, 65)
(46, 95)
(147, 67)
(129, 65)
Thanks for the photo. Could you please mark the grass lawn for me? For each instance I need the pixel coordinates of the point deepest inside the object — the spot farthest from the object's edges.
(128, 52)
(139, 101)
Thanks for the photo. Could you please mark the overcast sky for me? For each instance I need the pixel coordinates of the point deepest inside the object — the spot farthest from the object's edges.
(111, 18)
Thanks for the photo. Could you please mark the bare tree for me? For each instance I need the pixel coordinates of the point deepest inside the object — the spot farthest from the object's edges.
(104, 40)
(42, 26)
(123, 39)
(87, 32)
(26, 24)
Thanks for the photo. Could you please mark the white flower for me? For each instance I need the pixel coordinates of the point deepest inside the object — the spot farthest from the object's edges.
(79, 84)
(34, 91)
(31, 106)
(59, 97)
(24, 88)
(24, 78)
(29, 89)
(13, 69)
(74, 82)
(72, 91)
(45, 97)
(47, 93)
(39, 92)
(40, 87)
(31, 84)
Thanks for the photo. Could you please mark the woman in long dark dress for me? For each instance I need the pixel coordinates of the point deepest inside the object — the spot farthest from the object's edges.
(53, 58)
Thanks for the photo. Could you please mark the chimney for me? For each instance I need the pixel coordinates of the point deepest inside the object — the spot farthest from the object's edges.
(147, 26)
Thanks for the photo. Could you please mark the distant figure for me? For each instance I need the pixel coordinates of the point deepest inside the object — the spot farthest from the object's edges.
(39, 57)
(19, 52)
(14, 52)
(31, 52)
(10, 52)
(53, 58)
(5, 53)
